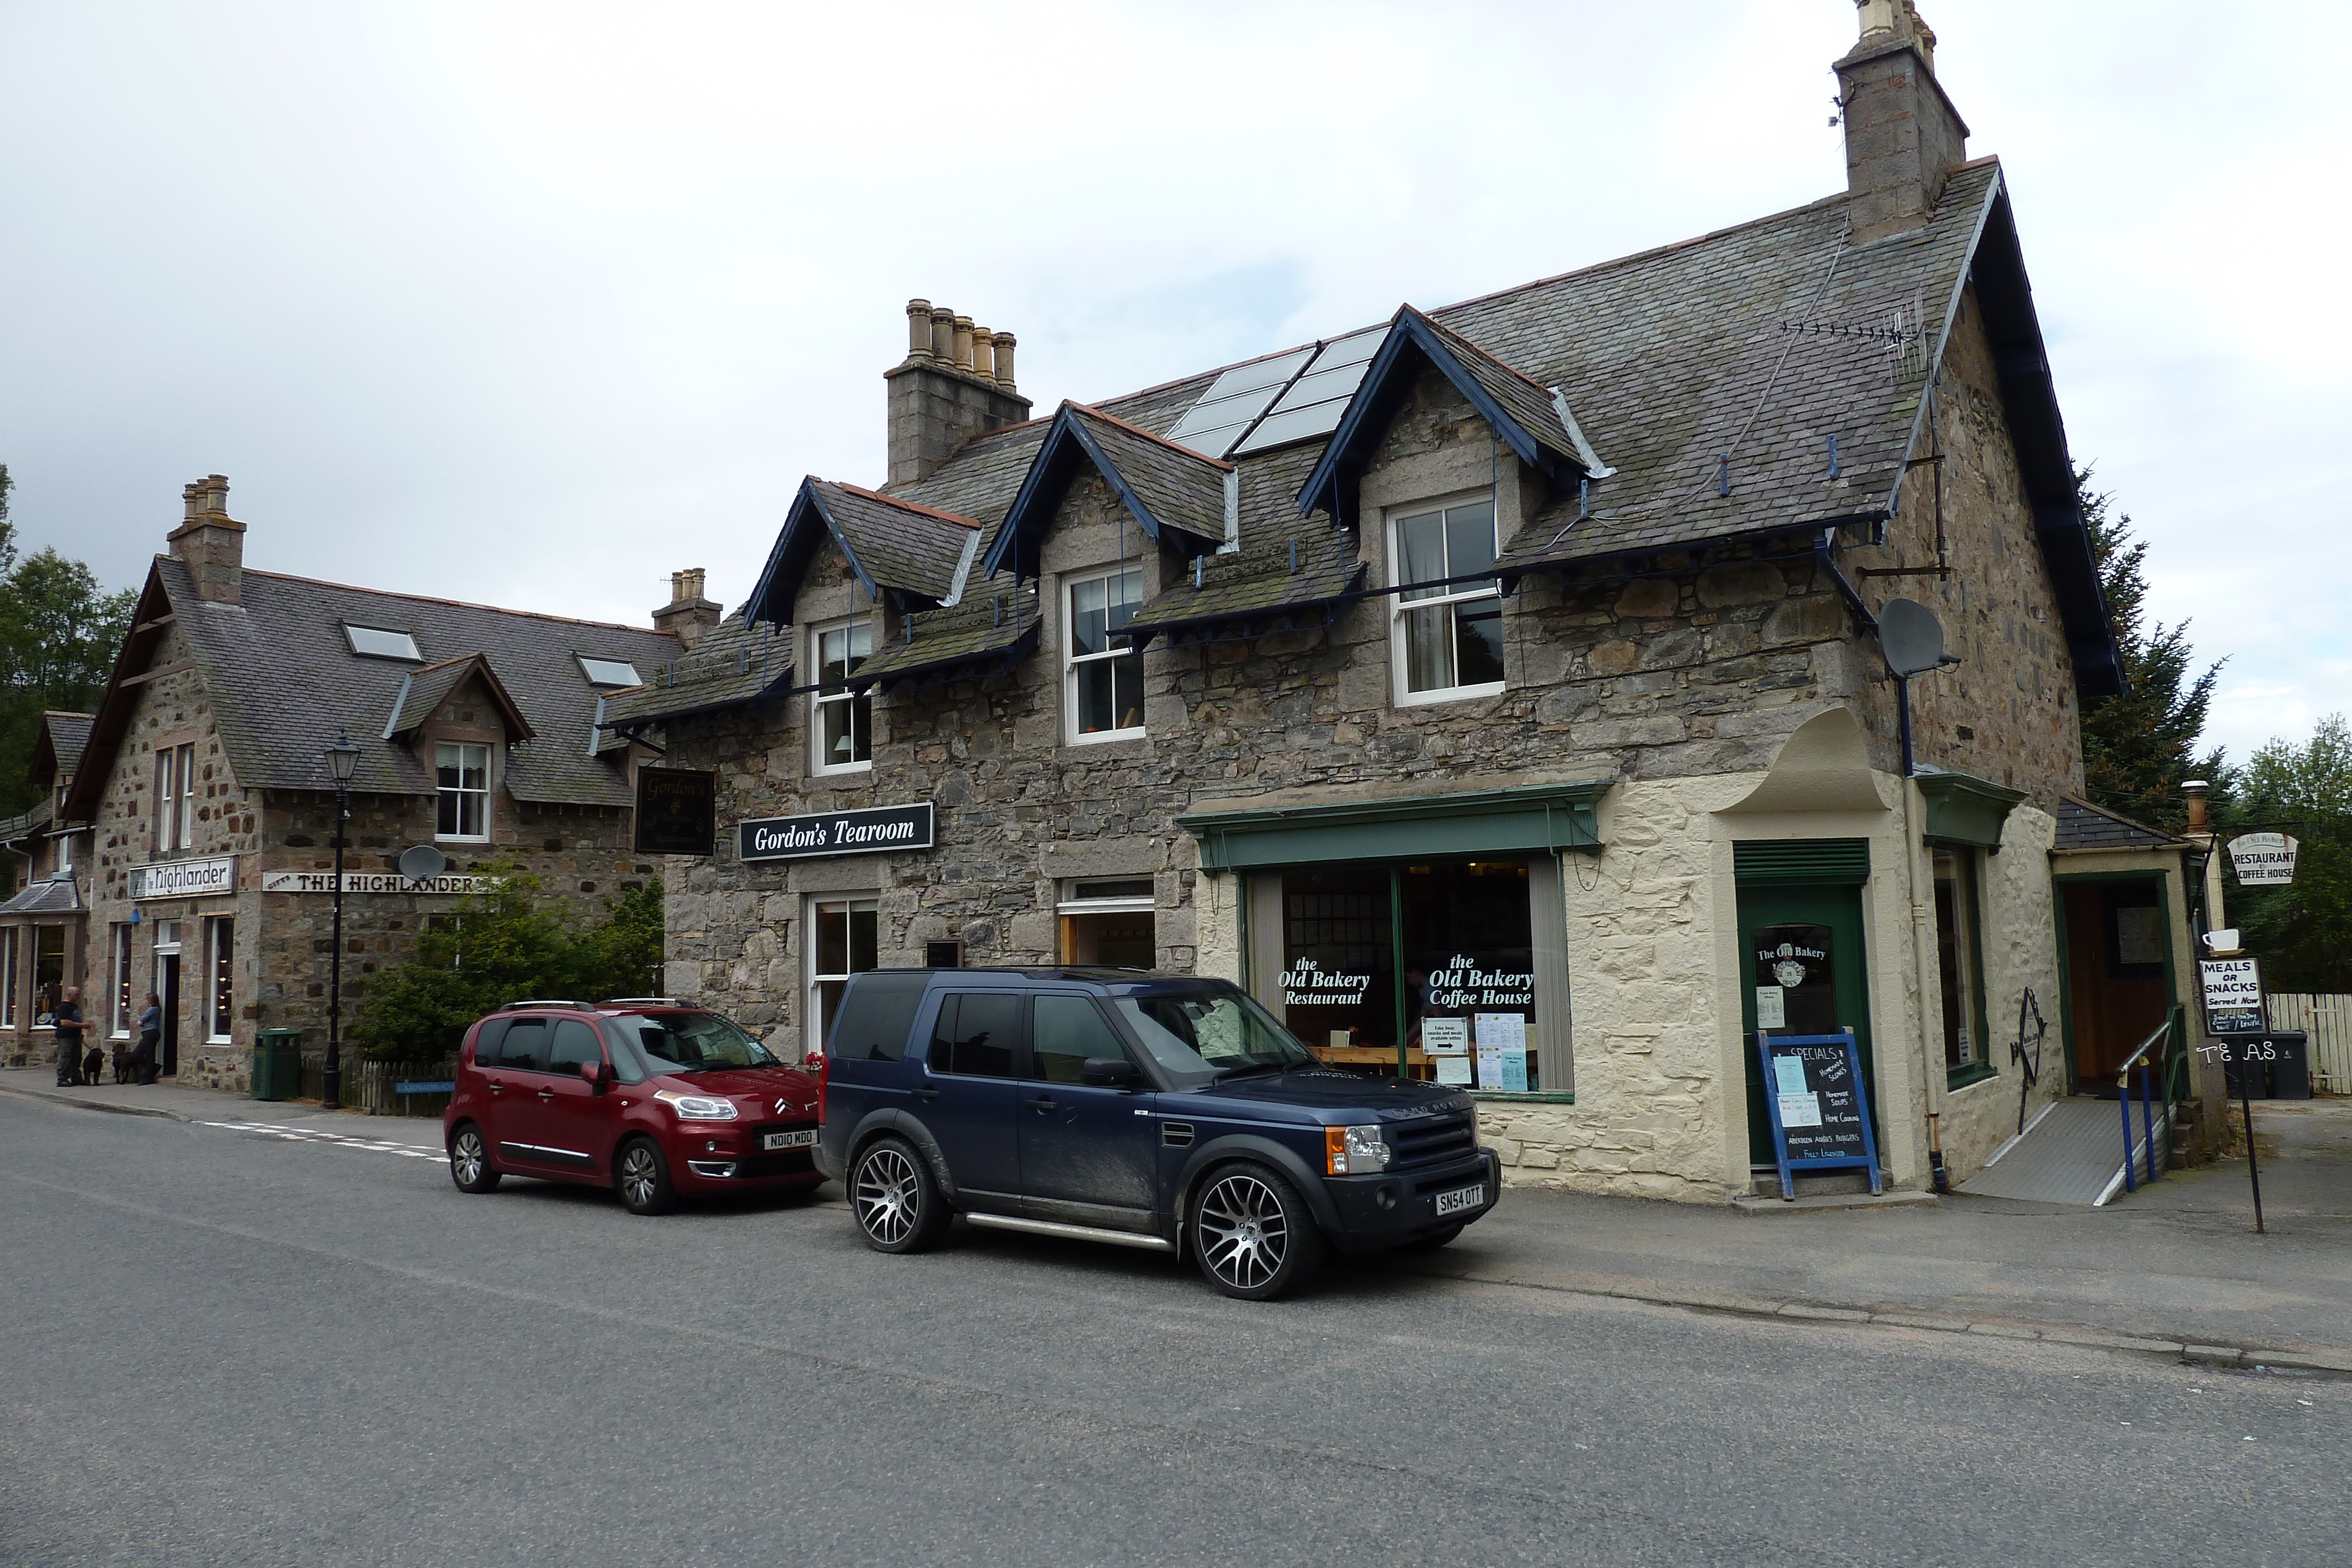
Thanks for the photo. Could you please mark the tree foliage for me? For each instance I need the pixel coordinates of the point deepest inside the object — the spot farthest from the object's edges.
(58, 635)
(2139, 748)
(2302, 932)
(506, 942)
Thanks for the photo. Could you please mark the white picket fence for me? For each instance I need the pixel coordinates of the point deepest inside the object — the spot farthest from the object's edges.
(2327, 1020)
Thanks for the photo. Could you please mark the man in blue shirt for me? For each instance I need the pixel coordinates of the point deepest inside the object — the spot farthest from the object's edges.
(68, 1021)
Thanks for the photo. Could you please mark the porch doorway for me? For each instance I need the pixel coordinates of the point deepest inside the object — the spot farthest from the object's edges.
(167, 996)
(2116, 952)
(1803, 962)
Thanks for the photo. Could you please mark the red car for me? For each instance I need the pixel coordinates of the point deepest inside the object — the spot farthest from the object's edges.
(647, 1095)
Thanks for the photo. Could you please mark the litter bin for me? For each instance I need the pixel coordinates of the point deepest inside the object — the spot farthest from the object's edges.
(277, 1064)
(2273, 1066)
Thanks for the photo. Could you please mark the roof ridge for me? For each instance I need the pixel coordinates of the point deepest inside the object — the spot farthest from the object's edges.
(2116, 816)
(447, 664)
(1179, 448)
(453, 603)
(1493, 358)
(956, 518)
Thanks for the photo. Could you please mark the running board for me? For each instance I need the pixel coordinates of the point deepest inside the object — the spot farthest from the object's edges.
(1071, 1232)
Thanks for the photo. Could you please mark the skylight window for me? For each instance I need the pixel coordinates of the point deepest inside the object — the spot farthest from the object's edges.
(379, 642)
(608, 672)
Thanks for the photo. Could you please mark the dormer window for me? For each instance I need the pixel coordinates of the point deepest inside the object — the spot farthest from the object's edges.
(1106, 675)
(1448, 634)
(605, 672)
(381, 642)
(844, 718)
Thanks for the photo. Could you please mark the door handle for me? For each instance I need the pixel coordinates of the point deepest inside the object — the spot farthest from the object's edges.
(1043, 1103)
(496, 1086)
(547, 1093)
(925, 1094)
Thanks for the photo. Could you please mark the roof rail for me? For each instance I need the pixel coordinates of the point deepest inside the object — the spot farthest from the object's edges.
(643, 1002)
(543, 1002)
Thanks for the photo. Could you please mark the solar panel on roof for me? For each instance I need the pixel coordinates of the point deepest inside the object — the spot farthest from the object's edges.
(1267, 372)
(1305, 391)
(1295, 424)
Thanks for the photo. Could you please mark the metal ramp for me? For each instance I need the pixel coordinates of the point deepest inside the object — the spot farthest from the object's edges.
(2070, 1152)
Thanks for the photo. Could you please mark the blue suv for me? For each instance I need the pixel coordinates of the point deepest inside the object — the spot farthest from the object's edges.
(1159, 1112)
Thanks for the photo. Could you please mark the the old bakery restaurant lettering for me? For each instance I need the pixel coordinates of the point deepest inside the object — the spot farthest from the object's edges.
(1307, 984)
(837, 832)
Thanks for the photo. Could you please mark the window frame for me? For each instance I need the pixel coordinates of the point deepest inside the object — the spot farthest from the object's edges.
(820, 699)
(12, 953)
(588, 660)
(1968, 946)
(813, 1023)
(442, 792)
(121, 989)
(352, 641)
(1073, 662)
(220, 988)
(1448, 598)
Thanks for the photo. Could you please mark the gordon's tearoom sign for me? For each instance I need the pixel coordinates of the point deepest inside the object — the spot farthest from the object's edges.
(184, 879)
(866, 832)
(367, 882)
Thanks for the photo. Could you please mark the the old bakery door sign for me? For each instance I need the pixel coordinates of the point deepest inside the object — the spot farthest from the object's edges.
(1820, 1106)
(867, 831)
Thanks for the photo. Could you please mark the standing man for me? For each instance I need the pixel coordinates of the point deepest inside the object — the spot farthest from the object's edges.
(150, 1035)
(69, 1020)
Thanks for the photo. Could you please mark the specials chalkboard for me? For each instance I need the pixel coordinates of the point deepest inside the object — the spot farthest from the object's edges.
(1819, 1104)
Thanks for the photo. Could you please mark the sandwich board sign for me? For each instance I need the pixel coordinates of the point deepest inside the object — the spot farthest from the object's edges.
(1819, 1104)
(2263, 860)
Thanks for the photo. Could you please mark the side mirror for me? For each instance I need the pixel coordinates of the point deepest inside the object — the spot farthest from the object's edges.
(595, 1072)
(1108, 1072)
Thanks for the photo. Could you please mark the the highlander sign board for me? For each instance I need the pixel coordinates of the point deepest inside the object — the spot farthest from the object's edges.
(836, 832)
(184, 879)
(367, 882)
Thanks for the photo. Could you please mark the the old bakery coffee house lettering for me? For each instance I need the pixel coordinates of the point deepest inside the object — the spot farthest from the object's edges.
(1468, 982)
(864, 831)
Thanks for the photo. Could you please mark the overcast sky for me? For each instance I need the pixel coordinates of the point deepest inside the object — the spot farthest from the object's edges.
(531, 305)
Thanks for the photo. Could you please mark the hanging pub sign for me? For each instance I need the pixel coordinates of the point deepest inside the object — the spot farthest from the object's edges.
(677, 812)
(1819, 1104)
(2232, 989)
(2263, 860)
(870, 831)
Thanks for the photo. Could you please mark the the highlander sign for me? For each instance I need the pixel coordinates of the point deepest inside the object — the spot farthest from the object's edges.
(367, 882)
(835, 833)
(184, 879)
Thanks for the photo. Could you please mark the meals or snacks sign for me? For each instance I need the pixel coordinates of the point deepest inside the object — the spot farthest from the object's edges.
(2232, 989)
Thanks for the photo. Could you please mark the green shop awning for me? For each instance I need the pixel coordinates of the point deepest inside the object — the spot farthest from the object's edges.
(1963, 809)
(1528, 820)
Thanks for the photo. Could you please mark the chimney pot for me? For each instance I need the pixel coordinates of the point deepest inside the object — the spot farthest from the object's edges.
(943, 334)
(963, 343)
(688, 615)
(1005, 343)
(983, 353)
(918, 329)
(959, 385)
(210, 542)
(1903, 137)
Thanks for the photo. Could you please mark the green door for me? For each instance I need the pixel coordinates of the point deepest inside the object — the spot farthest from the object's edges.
(1802, 947)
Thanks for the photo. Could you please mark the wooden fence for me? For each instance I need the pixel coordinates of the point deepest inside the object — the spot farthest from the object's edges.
(2327, 1020)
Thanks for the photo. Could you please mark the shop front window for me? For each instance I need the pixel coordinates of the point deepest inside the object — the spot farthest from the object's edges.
(221, 1008)
(846, 935)
(1958, 951)
(12, 953)
(123, 1012)
(1107, 922)
(1338, 968)
(1469, 964)
(48, 972)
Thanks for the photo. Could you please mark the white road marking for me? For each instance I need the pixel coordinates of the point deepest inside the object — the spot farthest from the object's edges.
(322, 1135)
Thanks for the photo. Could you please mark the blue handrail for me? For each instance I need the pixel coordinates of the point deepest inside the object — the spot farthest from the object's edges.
(2146, 1113)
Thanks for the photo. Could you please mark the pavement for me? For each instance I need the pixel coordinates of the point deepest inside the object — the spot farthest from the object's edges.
(2174, 1270)
(228, 1346)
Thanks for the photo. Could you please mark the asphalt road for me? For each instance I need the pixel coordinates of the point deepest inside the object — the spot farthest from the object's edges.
(228, 1347)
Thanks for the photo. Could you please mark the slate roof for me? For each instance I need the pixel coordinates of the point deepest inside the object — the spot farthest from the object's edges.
(889, 541)
(1261, 580)
(991, 628)
(735, 662)
(1706, 380)
(50, 896)
(2083, 826)
(26, 824)
(282, 681)
(428, 687)
(1160, 484)
(68, 733)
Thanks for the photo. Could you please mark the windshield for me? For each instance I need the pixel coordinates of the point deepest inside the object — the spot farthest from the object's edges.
(1201, 1035)
(688, 1042)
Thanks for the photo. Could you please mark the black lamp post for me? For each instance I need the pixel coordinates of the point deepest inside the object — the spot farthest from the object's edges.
(342, 758)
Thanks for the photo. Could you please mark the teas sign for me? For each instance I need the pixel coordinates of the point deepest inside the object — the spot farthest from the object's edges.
(872, 831)
(2233, 995)
(2262, 860)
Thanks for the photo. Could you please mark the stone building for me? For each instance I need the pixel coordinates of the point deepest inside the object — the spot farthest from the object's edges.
(208, 811)
(44, 923)
(1496, 692)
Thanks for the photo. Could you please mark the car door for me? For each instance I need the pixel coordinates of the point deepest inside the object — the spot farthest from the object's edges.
(1088, 1156)
(514, 1086)
(970, 1089)
(574, 1121)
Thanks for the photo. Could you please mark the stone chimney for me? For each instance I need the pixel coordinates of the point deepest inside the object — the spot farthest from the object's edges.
(687, 613)
(955, 383)
(210, 541)
(1901, 134)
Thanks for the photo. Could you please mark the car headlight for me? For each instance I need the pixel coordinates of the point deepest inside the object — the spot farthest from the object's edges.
(697, 1107)
(1359, 1150)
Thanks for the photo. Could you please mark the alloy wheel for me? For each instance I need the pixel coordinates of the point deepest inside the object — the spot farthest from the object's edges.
(1243, 1231)
(640, 1177)
(467, 1157)
(888, 1197)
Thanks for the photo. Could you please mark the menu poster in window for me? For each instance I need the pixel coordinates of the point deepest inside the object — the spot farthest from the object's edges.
(1503, 1041)
(1446, 1037)
(1453, 1071)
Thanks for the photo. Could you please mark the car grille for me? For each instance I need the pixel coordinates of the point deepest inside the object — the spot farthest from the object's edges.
(1429, 1140)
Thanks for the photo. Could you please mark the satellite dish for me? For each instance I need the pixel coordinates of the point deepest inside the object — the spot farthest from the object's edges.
(1911, 637)
(420, 861)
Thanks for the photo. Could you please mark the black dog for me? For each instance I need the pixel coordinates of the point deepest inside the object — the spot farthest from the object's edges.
(126, 1069)
(93, 1064)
